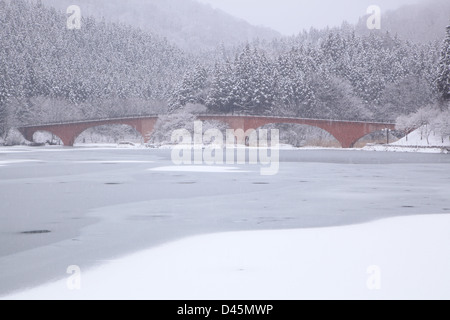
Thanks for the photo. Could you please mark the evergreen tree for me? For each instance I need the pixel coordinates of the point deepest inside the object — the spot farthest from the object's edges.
(243, 89)
(443, 79)
(221, 96)
(192, 89)
(264, 85)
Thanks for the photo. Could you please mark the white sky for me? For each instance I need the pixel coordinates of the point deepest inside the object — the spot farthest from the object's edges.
(292, 16)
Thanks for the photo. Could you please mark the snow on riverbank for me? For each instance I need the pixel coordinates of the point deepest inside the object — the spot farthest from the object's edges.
(420, 140)
(423, 138)
(391, 148)
(400, 258)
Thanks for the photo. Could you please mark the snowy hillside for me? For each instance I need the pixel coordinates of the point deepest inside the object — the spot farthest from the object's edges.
(420, 140)
(186, 23)
(423, 138)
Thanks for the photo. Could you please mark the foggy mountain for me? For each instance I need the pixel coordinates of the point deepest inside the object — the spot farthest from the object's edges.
(188, 24)
(422, 22)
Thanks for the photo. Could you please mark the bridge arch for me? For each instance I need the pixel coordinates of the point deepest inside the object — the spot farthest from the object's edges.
(299, 135)
(108, 133)
(377, 136)
(46, 136)
(346, 132)
(68, 132)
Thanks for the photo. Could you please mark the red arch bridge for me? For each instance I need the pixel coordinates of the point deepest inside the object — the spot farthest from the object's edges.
(346, 132)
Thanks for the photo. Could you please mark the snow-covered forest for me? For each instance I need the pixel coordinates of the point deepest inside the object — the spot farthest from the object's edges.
(341, 76)
(49, 73)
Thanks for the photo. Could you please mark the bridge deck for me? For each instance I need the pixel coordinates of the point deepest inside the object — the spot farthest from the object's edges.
(205, 116)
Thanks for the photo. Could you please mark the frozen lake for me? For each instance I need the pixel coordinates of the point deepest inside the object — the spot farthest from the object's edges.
(84, 206)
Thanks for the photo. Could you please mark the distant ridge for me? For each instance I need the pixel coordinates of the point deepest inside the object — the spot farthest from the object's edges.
(191, 25)
(422, 22)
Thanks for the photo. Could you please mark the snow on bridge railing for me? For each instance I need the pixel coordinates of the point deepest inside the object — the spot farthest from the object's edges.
(89, 121)
(204, 115)
(296, 118)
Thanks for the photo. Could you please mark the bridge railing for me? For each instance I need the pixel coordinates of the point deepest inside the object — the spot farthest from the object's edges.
(134, 117)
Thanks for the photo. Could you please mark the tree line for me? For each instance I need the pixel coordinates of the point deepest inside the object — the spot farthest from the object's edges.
(338, 76)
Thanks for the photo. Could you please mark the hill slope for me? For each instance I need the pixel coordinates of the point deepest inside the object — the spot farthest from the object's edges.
(422, 22)
(186, 23)
(49, 73)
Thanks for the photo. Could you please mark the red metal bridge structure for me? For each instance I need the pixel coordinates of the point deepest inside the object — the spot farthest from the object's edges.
(346, 132)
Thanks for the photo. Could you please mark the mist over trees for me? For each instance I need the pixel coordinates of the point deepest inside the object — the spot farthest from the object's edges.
(420, 22)
(188, 24)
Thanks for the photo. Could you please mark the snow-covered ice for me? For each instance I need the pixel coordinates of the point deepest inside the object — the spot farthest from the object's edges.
(113, 161)
(102, 204)
(398, 258)
(3, 163)
(199, 169)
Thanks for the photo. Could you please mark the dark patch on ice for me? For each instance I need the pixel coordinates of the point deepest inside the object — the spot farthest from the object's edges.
(303, 181)
(158, 216)
(113, 183)
(262, 220)
(409, 207)
(261, 183)
(36, 232)
(147, 217)
(187, 182)
(446, 209)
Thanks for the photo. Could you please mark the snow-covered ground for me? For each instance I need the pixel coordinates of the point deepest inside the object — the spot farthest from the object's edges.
(423, 138)
(398, 258)
(420, 140)
(394, 148)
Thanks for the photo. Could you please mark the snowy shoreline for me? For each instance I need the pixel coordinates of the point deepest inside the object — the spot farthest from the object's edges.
(409, 261)
(407, 149)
